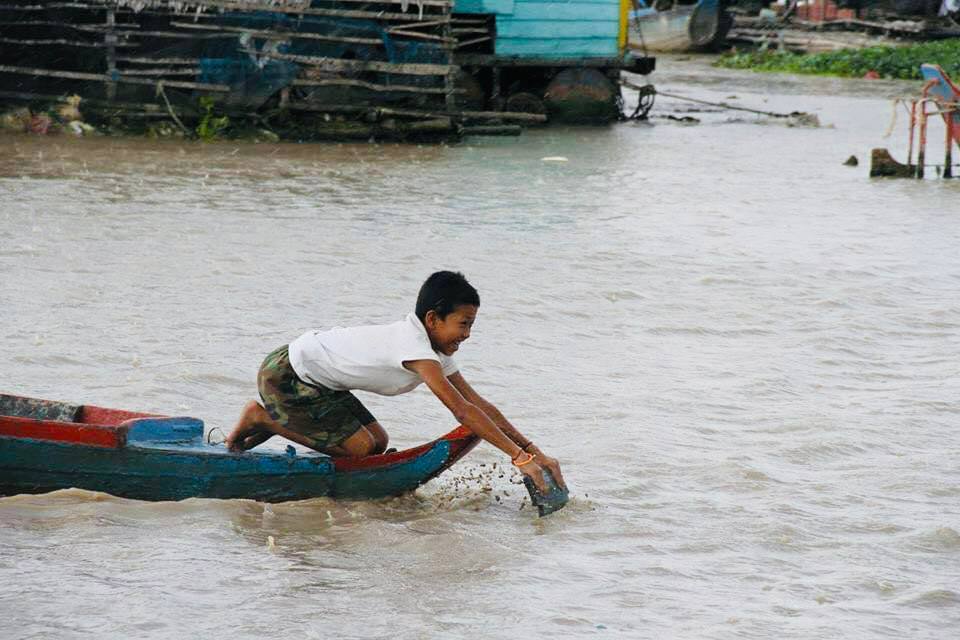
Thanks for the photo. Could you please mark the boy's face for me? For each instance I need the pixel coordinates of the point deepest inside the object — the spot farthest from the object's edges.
(446, 334)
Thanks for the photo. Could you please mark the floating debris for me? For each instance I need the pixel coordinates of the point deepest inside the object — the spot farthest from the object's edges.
(801, 119)
(16, 121)
(63, 117)
(69, 111)
(683, 119)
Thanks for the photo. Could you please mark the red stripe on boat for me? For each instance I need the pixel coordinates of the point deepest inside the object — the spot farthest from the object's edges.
(386, 459)
(72, 432)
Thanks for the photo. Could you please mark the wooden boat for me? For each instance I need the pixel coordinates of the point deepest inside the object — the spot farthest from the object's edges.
(46, 445)
(678, 25)
(946, 95)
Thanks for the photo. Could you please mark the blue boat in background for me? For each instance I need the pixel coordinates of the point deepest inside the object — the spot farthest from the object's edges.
(679, 25)
(45, 446)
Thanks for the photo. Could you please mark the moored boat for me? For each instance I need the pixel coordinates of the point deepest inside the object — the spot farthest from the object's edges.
(678, 25)
(47, 445)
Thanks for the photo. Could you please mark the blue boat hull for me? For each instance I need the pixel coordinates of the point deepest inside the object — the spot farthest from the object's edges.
(34, 466)
(159, 458)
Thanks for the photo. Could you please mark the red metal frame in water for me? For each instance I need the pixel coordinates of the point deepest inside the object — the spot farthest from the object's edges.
(943, 96)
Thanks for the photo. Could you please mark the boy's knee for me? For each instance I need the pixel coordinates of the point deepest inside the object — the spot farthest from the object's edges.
(379, 438)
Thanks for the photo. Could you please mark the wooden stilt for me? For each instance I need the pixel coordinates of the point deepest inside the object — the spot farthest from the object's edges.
(450, 79)
(110, 39)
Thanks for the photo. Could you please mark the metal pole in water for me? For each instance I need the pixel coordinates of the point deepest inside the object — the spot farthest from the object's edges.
(948, 158)
(922, 150)
(913, 122)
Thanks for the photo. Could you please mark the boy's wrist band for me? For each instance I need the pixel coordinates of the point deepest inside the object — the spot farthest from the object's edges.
(527, 446)
(528, 459)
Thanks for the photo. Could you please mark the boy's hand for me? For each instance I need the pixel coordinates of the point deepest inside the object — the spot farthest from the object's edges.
(550, 464)
(533, 471)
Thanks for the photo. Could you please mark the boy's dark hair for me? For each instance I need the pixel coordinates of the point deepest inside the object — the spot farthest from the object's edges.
(443, 292)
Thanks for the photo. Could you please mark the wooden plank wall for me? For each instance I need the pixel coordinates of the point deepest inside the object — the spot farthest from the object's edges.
(552, 28)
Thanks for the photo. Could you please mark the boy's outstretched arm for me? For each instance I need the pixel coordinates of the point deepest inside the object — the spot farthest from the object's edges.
(551, 464)
(474, 418)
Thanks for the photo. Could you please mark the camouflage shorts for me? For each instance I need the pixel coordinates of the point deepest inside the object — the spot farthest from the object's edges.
(326, 416)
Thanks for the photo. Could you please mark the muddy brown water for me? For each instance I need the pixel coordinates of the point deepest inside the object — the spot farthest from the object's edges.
(744, 353)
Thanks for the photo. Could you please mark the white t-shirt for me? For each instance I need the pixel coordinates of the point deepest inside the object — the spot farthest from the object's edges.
(368, 358)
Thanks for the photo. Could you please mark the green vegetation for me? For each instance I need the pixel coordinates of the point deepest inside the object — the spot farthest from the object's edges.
(210, 127)
(889, 62)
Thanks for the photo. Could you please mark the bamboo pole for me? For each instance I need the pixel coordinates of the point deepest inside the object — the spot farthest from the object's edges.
(44, 7)
(89, 26)
(76, 75)
(516, 116)
(386, 88)
(307, 11)
(66, 43)
(132, 73)
(467, 43)
(176, 34)
(432, 125)
(421, 36)
(470, 115)
(277, 34)
(142, 60)
(337, 64)
(415, 113)
(419, 25)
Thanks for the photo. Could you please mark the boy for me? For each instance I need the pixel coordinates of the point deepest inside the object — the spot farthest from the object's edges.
(305, 386)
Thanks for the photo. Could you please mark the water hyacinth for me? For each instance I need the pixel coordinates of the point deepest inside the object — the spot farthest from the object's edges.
(902, 63)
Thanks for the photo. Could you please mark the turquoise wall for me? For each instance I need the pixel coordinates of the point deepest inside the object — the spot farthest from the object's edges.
(482, 6)
(551, 28)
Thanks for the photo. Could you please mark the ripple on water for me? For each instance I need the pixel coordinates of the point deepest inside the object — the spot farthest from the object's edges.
(823, 451)
(709, 331)
(932, 599)
(941, 540)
